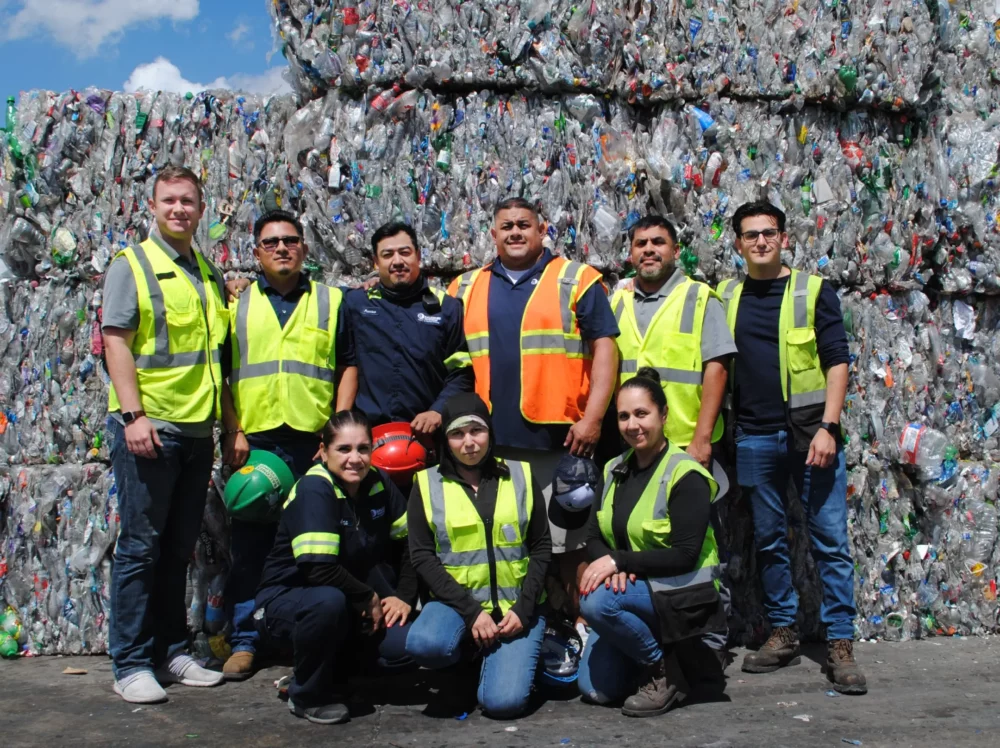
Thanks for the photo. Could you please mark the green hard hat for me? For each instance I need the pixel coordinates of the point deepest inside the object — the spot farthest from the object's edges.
(256, 491)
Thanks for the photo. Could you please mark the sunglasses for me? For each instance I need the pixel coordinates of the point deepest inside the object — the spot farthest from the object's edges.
(272, 242)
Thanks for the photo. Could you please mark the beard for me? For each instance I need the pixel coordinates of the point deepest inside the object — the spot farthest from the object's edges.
(655, 273)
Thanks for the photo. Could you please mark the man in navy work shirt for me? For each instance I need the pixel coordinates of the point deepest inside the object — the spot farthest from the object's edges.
(411, 349)
(542, 338)
(789, 382)
(290, 364)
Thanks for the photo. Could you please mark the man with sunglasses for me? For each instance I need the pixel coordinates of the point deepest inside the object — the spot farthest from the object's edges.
(292, 365)
(788, 384)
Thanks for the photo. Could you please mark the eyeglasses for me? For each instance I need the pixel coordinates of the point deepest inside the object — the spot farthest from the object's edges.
(751, 236)
(272, 242)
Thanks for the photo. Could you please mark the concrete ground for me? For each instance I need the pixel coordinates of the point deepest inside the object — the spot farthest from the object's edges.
(940, 692)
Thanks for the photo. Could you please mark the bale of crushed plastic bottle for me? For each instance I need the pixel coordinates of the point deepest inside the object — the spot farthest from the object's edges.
(862, 55)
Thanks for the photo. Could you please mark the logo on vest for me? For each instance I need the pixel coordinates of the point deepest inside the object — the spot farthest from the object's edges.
(377, 513)
(428, 319)
(369, 311)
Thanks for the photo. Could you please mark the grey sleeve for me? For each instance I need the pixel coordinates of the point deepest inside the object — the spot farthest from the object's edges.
(716, 340)
(121, 299)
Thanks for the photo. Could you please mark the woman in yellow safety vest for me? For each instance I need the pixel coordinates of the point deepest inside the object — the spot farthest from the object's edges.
(652, 580)
(479, 540)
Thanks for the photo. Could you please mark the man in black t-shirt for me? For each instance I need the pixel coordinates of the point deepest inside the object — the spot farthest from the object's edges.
(789, 382)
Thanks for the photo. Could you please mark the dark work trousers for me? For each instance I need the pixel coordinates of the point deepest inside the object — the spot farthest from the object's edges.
(326, 636)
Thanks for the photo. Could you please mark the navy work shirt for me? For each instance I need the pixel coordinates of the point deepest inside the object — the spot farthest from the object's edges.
(406, 345)
(363, 525)
(506, 304)
(760, 407)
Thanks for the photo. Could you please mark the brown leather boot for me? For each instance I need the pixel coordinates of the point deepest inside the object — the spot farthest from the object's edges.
(239, 666)
(655, 695)
(842, 669)
(780, 650)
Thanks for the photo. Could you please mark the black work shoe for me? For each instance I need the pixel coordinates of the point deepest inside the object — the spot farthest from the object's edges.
(328, 714)
(781, 650)
(842, 669)
(655, 695)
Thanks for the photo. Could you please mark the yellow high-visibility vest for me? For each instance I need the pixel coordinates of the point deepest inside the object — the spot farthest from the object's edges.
(284, 375)
(672, 346)
(176, 346)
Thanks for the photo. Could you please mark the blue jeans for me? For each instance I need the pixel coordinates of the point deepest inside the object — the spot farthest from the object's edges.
(160, 506)
(325, 636)
(763, 465)
(508, 667)
(252, 541)
(624, 638)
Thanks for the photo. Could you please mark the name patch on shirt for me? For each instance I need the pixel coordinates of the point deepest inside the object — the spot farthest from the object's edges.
(427, 319)
(369, 311)
(377, 513)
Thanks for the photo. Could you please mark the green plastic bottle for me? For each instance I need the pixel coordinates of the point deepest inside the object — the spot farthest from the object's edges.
(12, 145)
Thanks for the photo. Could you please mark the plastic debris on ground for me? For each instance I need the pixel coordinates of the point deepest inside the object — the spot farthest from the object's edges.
(875, 127)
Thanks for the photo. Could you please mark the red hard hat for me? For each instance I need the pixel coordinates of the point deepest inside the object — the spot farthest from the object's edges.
(396, 450)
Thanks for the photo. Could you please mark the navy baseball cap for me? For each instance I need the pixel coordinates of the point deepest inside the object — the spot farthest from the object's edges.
(574, 487)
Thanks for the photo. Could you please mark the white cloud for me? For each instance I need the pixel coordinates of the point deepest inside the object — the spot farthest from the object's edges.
(240, 30)
(85, 26)
(162, 75)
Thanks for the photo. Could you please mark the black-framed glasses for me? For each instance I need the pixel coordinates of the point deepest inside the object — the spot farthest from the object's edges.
(751, 236)
(271, 243)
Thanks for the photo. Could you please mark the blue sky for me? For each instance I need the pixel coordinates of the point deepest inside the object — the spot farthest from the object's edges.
(177, 45)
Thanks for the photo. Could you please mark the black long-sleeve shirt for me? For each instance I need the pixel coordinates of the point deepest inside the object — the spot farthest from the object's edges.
(423, 550)
(690, 511)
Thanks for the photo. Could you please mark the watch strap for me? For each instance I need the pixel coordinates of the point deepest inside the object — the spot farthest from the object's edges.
(131, 415)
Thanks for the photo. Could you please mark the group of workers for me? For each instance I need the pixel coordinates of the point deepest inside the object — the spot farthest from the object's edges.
(509, 376)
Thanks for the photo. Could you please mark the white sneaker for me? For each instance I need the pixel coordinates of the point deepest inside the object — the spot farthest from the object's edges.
(140, 688)
(184, 670)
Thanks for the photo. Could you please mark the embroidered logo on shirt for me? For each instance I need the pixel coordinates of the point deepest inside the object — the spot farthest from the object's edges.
(370, 311)
(428, 319)
(534, 281)
(380, 512)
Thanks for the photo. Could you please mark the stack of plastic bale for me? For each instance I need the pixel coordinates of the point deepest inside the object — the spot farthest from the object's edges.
(76, 174)
(873, 126)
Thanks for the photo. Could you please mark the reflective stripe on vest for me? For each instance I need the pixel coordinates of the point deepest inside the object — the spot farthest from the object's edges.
(178, 334)
(648, 525)
(803, 379)
(445, 503)
(316, 470)
(285, 375)
(673, 336)
(803, 383)
(554, 362)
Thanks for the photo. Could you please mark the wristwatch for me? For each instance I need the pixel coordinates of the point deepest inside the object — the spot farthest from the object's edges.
(833, 428)
(131, 415)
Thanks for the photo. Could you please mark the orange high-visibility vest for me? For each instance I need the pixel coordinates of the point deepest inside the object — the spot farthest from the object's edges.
(555, 360)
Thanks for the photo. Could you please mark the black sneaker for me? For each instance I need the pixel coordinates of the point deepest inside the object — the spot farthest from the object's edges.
(328, 714)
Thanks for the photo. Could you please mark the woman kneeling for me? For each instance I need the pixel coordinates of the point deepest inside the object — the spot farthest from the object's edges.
(479, 539)
(652, 581)
(330, 577)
